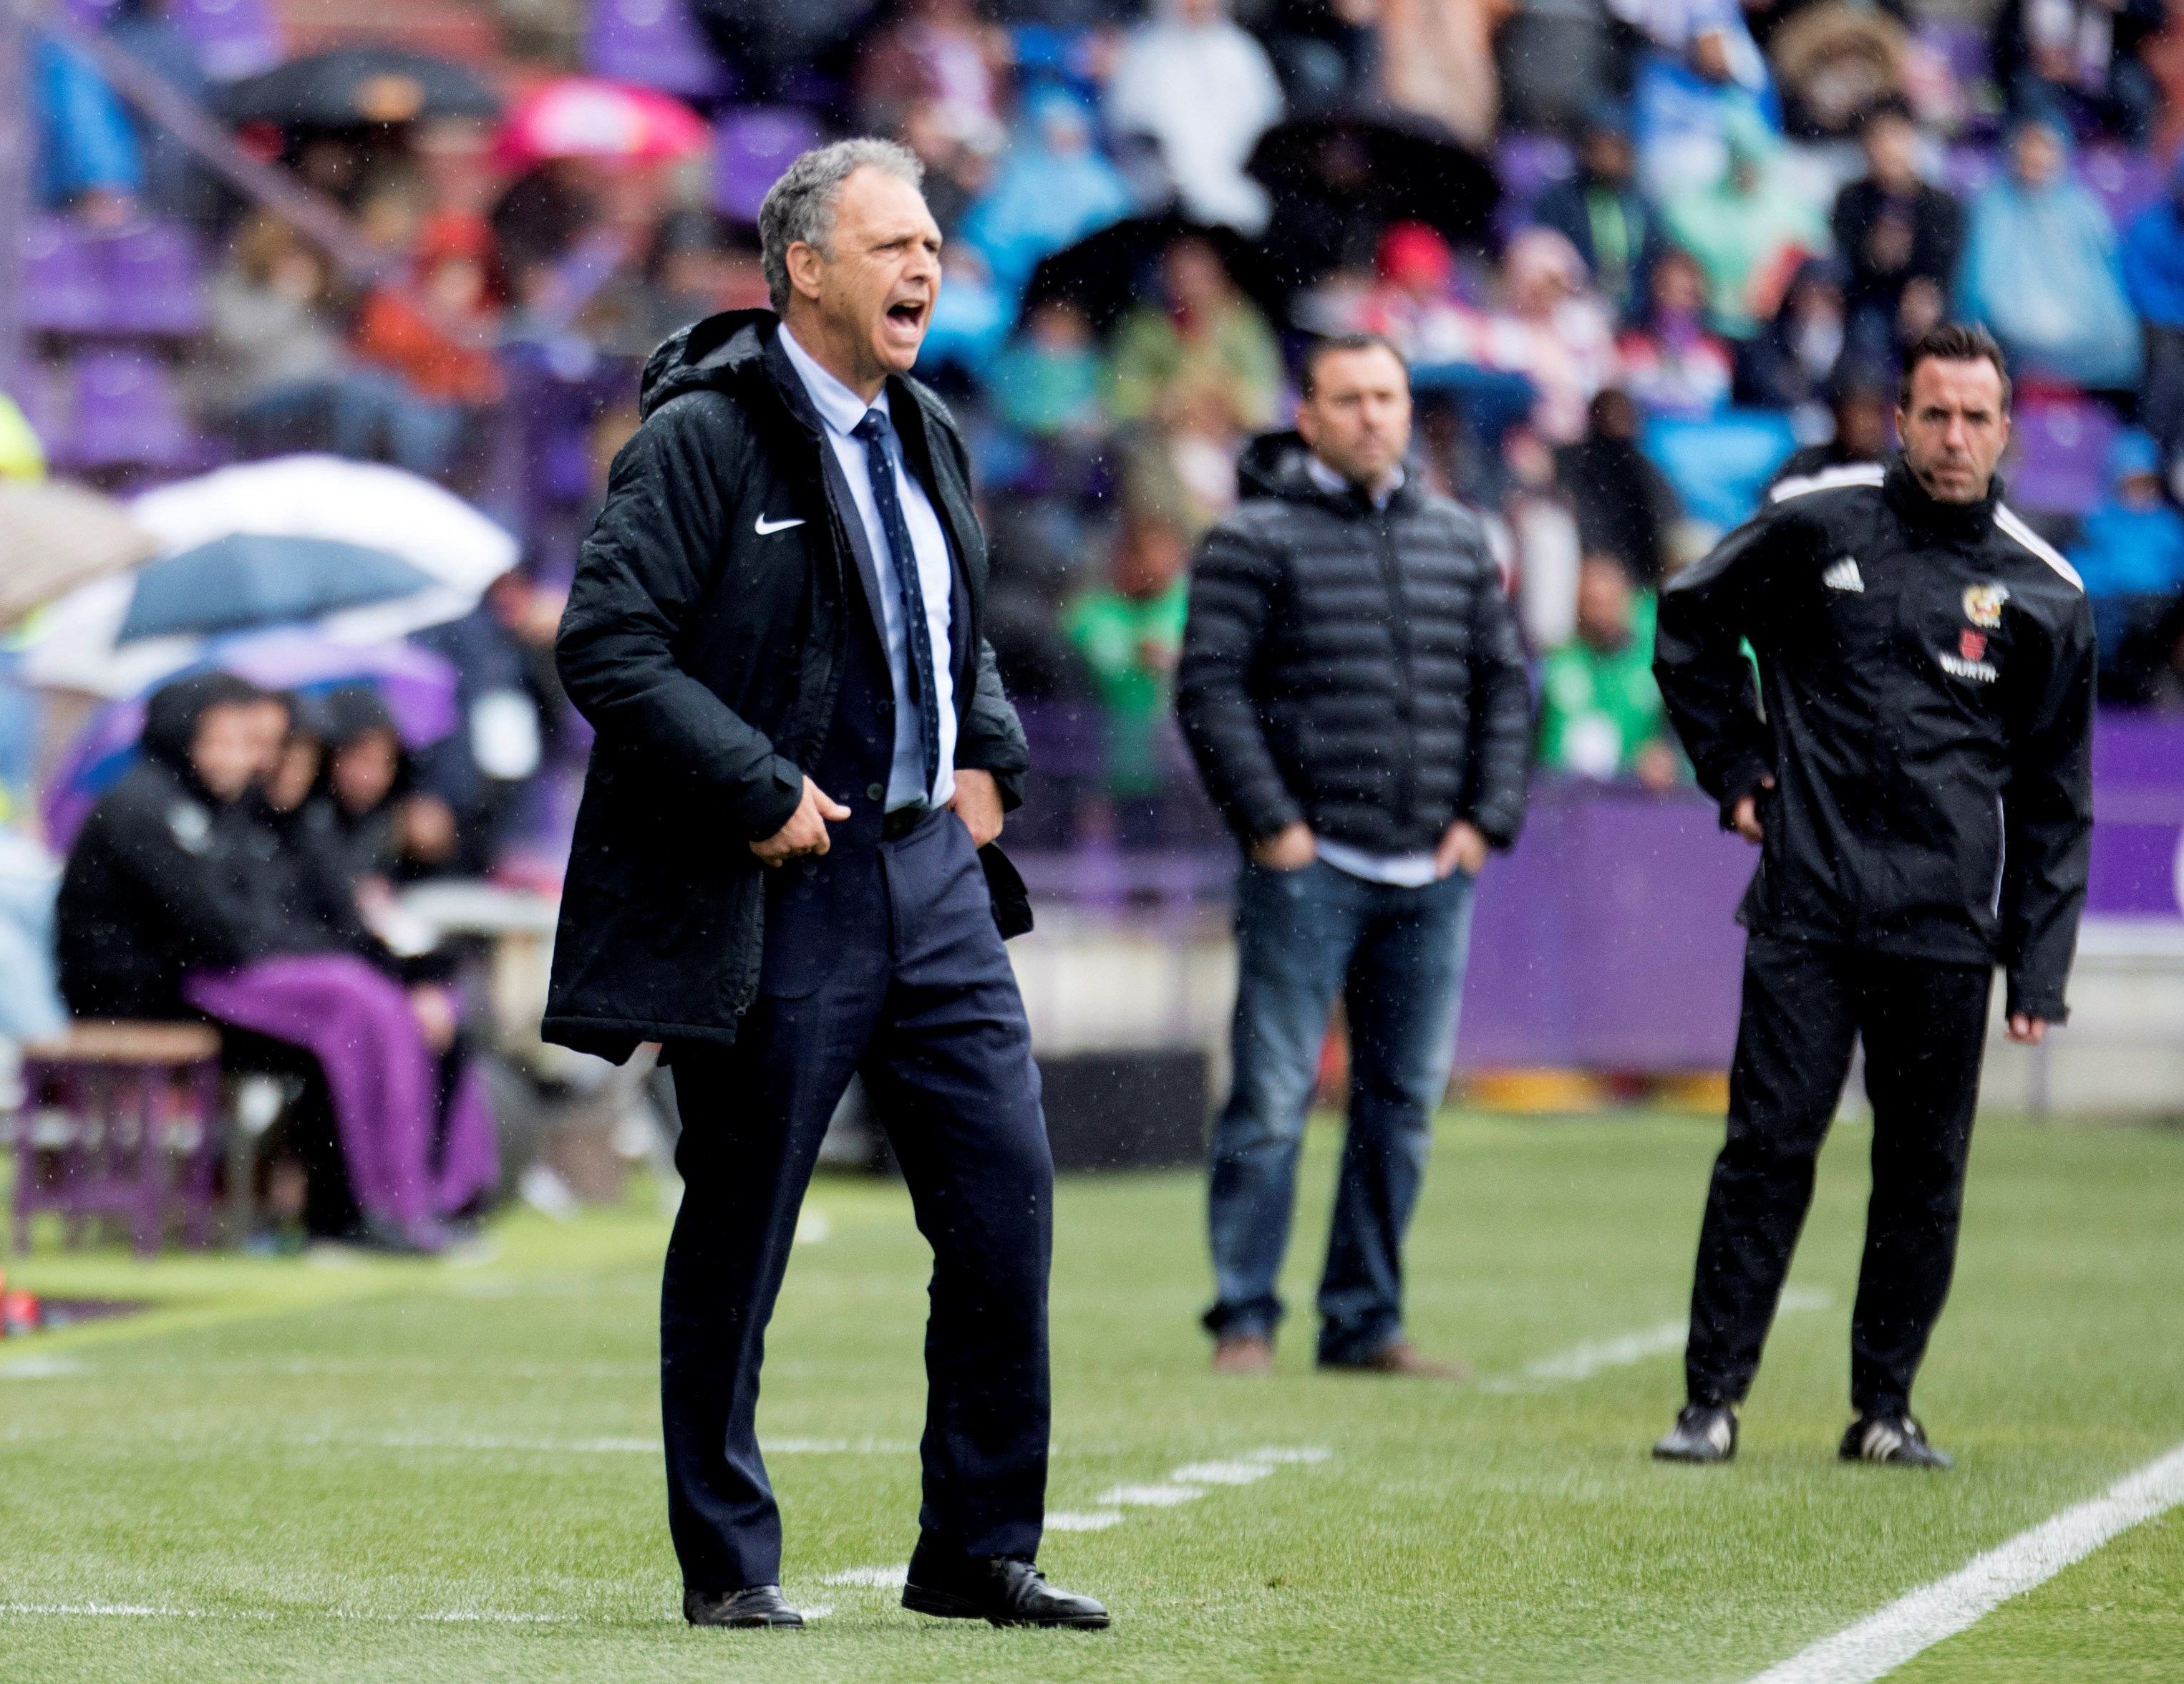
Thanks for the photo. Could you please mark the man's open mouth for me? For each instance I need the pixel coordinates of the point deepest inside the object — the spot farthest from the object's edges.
(908, 312)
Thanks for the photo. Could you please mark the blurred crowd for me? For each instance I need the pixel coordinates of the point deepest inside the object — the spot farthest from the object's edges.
(1646, 256)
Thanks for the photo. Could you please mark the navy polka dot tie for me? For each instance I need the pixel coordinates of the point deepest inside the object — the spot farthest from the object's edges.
(875, 432)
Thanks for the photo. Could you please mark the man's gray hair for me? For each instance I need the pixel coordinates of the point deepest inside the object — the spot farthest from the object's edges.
(801, 205)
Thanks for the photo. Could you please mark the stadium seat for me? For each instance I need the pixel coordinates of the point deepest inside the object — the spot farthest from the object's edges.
(152, 281)
(124, 412)
(232, 38)
(656, 44)
(62, 292)
(1720, 465)
(2124, 181)
(1528, 165)
(119, 1119)
(1967, 168)
(753, 145)
(2058, 461)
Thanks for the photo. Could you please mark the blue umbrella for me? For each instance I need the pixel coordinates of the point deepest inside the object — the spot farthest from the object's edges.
(249, 579)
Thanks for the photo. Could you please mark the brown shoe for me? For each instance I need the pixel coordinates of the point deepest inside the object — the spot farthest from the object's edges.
(1401, 1356)
(1243, 1353)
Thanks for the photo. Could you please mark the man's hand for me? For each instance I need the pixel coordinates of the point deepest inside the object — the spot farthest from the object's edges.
(1744, 819)
(1462, 848)
(1291, 848)
(805, 833)
(977, 803)
(2025, 1029)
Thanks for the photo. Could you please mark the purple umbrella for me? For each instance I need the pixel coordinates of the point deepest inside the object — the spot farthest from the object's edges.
(418, 687)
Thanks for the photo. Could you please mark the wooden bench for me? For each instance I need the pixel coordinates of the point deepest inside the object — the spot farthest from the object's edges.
(121, 1119)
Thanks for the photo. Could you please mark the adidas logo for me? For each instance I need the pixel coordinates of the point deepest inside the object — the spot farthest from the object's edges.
(1844, 576)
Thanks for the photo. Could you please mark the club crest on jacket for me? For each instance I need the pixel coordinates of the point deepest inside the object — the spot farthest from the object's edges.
(1983, 604)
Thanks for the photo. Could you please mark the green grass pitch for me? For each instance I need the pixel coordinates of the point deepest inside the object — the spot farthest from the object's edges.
(408, 1471)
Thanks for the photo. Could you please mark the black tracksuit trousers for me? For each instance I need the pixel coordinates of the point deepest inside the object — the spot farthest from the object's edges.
(1923, 1026)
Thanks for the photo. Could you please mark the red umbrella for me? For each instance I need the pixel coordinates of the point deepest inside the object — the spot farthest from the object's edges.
(583, 117)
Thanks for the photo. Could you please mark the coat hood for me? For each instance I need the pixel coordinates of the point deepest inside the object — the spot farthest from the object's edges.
(715, 353)
(170, 717)
(1272, 465)
(730, 350)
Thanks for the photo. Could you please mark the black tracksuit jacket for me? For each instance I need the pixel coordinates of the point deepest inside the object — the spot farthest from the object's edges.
(1356, 668)
(1926, 677)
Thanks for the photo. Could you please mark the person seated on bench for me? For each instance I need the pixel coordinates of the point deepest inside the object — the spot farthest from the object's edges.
(176, 904)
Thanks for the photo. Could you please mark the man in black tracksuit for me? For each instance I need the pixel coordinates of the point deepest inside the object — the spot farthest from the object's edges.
(1916, 773)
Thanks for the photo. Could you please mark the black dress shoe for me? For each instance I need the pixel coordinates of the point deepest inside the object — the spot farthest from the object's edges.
(999, 1590)
(747, 1609)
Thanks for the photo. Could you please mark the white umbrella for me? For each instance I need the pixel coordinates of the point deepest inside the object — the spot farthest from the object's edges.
(76, 645)
(319, 496)
(55, 536)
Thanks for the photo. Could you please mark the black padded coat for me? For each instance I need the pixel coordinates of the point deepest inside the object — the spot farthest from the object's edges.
(1354, 667)
(704, 640)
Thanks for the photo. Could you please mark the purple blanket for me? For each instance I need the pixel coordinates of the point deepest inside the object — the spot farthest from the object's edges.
(381, 1075)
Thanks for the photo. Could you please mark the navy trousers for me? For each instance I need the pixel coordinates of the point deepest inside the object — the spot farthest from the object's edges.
(881, 958)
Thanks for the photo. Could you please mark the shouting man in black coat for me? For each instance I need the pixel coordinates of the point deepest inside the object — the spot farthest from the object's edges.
(1354, 693)
(1917, 774)
(803, 745)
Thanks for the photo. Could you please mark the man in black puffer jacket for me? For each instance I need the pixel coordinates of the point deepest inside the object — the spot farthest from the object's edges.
(1354, 692)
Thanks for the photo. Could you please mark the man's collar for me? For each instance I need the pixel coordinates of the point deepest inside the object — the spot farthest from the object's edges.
(1335, 485)
(838, 407)
(1961, 521)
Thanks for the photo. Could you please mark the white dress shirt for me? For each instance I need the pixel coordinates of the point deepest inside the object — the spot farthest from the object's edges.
(840, 410)
(1402, 871)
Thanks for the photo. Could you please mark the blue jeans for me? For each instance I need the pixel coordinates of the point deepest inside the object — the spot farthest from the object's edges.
(1396, 956)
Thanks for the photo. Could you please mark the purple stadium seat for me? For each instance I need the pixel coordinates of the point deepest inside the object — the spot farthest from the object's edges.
(1529, 164)
(152, 280)
(61, 290)
(1958, 44)
(2125, 181)
(232, 38)
(2060, 454)
(655, 43)
(753, 146)
(124, 412)
(1968, 168)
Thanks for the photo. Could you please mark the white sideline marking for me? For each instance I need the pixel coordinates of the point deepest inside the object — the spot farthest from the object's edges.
(632, 1447)
(1877, 1645)
(1295, 1455)
(40, 1368)
(103, 1610)
(1149, 1497)
(873, 1578)
(1582, 1362)
(1221, 1473)
(1094, 1520)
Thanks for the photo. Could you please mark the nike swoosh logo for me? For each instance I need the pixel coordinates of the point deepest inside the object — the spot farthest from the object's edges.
(765, 526)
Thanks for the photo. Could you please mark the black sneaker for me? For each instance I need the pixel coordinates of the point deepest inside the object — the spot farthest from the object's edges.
(1703, 1433)
(1894, 1442)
